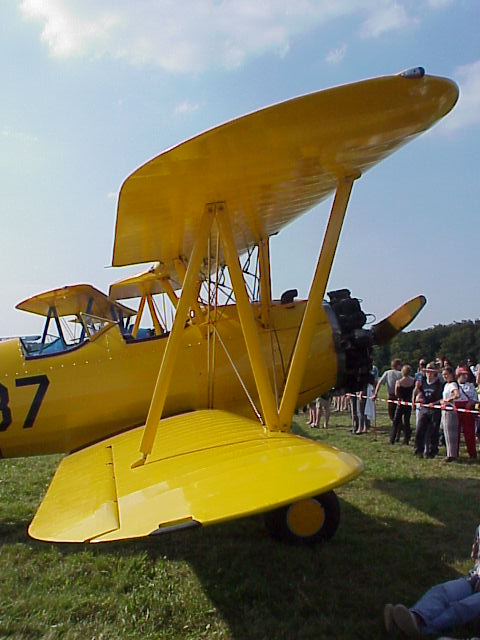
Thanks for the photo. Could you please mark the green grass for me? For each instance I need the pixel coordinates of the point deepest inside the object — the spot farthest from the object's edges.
(406, 524)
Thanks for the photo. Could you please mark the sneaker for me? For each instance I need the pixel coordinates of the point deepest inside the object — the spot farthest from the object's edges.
(388, 618)
(405, 621)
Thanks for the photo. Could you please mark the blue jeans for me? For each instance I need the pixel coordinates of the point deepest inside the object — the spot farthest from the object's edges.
(447, 605)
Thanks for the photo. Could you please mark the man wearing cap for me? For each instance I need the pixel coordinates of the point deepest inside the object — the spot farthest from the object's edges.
(428, 390)
(467, 400)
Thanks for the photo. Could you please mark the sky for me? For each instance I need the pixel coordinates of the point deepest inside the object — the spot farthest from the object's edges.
(91, 90)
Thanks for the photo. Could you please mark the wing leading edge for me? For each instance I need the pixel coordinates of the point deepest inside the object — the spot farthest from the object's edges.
(206, 467)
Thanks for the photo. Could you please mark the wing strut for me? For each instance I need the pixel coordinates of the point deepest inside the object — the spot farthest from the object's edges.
(265, 280)
(181, 271)
(274, 419)
(153, 315)
(247, 321)
(167, 287)
(317, 291)
(173, 344)
(138, 319)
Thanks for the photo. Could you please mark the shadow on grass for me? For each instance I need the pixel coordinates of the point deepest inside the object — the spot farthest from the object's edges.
(265, 589)
(14, 532)
(452, 502)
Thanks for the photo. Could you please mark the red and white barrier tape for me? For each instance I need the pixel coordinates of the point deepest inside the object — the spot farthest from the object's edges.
(420, 405)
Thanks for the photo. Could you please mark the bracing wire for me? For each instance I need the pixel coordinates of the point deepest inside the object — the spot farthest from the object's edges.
(237, 373)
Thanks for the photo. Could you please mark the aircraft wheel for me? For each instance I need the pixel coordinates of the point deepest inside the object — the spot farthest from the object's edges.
(306, 521)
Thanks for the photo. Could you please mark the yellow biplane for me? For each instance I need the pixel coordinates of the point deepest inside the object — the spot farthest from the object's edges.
(188, 422)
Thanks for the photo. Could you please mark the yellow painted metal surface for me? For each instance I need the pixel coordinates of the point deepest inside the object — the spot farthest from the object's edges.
(118, 377)
(174, 344)
(306, 517)
(72, 300)
(207, 466)
(303, 345)
(247, 320)
(272, 165)
(148, 282)
(85, 479)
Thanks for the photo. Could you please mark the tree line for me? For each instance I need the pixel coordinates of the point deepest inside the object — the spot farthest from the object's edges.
(457, 342)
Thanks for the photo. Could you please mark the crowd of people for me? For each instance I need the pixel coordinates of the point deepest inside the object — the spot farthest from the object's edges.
(444, 399)
(444, 402)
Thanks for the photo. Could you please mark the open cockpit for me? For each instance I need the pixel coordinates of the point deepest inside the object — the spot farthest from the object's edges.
(73, 316)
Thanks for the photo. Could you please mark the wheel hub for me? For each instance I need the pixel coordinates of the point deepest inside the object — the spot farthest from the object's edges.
(305, 518)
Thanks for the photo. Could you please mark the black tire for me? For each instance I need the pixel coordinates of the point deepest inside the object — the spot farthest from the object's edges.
(278, 521)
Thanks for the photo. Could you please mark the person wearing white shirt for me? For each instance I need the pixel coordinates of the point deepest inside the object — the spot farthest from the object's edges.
(449, 417)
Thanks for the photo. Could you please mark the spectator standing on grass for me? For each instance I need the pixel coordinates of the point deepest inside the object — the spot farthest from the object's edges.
(364, 406)
(422, 363)
(322, 408)
(390, 378)
(444, 606)
(403, 392)
(353, 400)
(450, 418)
(312, 413)
(428, 421)
(467, 400)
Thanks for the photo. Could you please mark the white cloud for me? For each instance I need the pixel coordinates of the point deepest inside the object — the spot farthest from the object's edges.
(185, 107)
(69, 26)
(467, 111)
(389, 16)
(336, 55)
(194, 35)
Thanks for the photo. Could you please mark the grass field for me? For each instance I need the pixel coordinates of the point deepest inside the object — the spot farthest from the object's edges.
(406, 524)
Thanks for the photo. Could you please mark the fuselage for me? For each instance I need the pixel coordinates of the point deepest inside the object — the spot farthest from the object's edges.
(68, 400)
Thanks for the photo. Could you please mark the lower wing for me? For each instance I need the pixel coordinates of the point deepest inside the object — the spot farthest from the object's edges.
(206, 467)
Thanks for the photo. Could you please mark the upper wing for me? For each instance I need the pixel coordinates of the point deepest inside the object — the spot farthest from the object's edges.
(272, 165)
(148, 282)
(206, 466)
(72, 300)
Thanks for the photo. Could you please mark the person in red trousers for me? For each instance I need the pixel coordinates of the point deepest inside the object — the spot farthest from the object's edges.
(467, 400)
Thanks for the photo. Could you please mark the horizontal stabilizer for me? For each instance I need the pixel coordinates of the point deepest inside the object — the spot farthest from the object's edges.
(384, 331)
(206, 467)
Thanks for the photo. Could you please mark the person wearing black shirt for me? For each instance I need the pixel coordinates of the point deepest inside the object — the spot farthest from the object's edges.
(429, 388)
